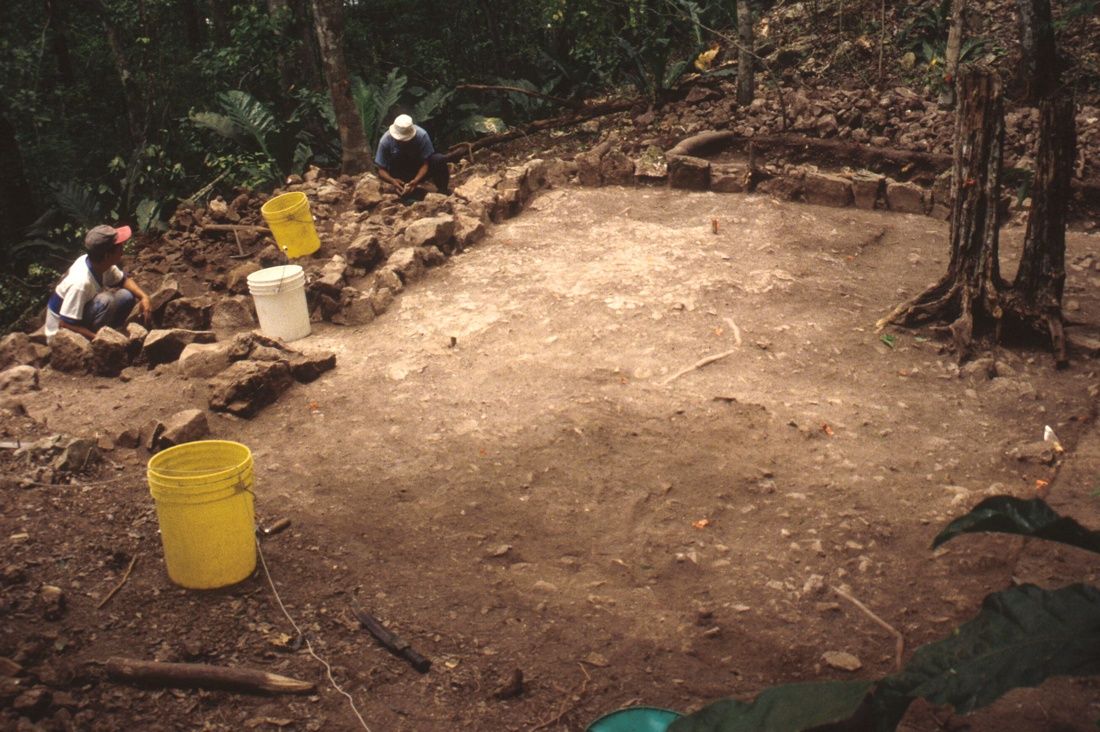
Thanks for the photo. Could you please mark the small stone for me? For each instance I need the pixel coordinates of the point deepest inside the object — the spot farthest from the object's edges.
(18, 380)
(52, 599)
(841, 660)
(186, 426)
(544, 586)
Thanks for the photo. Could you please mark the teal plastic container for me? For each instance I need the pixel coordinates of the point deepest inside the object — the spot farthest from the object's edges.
(635, 719)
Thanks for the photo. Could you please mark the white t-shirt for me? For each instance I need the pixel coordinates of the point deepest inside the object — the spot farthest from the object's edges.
(78, 287)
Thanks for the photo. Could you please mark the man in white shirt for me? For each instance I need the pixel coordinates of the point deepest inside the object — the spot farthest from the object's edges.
(95, 292)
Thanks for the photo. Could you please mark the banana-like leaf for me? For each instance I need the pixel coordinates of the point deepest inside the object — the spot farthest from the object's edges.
(789, 708)
(78, 203)
(1022, 637)
(389, 93)
(1008, 515)
(429, 106)
(363, 95)
(248, 114)
(481, 125)
(219, 123)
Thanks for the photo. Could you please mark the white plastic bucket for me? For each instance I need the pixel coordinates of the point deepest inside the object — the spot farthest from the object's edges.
(280, 297)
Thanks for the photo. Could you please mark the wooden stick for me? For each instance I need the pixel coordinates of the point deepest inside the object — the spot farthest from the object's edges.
(121, 582)
(234, 228)
(899, 647)
(201, 675)
(698, 365)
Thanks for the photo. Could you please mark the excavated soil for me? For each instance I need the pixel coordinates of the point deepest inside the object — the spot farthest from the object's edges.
(516, 469)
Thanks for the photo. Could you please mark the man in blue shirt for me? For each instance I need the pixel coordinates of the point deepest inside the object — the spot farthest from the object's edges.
(405, 157)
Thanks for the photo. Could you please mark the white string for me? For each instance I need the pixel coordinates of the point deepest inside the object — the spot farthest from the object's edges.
(309, 646)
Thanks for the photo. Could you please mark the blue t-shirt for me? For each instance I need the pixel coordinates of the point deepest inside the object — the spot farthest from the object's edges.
(392, 154)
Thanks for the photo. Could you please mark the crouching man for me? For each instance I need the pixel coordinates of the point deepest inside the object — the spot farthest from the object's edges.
(405, 157)
(95, 292)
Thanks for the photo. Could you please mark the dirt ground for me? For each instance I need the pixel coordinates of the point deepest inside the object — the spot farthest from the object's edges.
(512, 469)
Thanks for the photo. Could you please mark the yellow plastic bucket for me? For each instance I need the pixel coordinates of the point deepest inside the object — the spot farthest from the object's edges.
(204, 500)
(291, 224)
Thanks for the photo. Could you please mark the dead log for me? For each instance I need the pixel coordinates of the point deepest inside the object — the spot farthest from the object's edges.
(203, 676)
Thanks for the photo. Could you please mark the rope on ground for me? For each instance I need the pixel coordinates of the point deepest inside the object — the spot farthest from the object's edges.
(309, 646)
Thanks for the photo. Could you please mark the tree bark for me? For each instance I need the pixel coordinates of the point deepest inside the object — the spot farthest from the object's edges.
(745, 78)
(60, 42)
(279, 10)
(951, 62)
(1039, 65)
(192, 25)
(1037, 290)
(328, 18)
(968, 297)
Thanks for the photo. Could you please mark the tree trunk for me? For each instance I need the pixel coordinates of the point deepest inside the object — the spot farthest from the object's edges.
(951, 62)
(1037, 290)
(16, 202)
(1039, 67)
(328, 17)
(745, 85)
(279, 10)
(60, 43)
(130, 93)
(219, 21)
(968, 297)
(192, 25)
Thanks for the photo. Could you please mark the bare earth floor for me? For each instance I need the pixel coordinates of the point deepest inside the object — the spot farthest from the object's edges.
(507, 468)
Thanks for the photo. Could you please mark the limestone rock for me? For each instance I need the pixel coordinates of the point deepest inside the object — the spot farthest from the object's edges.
(651, 165)
(380, 299)
(232, 313)
(355, 308)
(479, 188)
(17, 349)
(237, 279)
(406, 263)
(434, 231)
(164, 346)
(468, 231)
(188, 313)
(168, 291)
(18, 380)
(331, 281)
(246, 387)
(841, 660)
(729, 177)
(368, 192)
(904, 197)
(617, 169)
(70, 352)
(431, 256)
(867, 189)
(110, 352)
(307, 367)
(688, 172)
(186, 426)
(824, 189)
(365, 252)
(149, 434)
(77, 454)
(387, 277)
(203, 360)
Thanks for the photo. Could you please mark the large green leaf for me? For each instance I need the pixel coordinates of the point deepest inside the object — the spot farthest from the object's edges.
(219, 123)
(1008, 515)
(1022, 637)
(789, 708)
(248, 114)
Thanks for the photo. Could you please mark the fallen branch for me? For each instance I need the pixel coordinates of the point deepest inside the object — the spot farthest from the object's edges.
(200, 675)
(234, 228)
(899, 647)
(698, 365)
(516, 90)
(121, 582)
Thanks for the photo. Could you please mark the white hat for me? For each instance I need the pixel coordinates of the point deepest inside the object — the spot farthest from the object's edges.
(403, 128)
